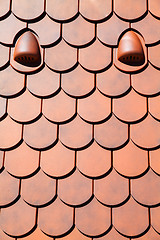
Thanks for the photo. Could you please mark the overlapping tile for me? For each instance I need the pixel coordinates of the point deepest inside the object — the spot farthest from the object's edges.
(79, 134)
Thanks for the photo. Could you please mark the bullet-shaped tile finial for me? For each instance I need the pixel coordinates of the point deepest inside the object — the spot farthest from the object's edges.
(130, 49)
(27, 50)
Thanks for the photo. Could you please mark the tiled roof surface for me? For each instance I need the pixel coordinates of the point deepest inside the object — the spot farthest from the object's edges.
(79, 134)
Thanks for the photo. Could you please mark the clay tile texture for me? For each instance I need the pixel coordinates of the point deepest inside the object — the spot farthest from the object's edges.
(79, 120)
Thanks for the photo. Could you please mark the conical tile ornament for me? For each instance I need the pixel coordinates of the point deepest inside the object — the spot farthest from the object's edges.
(27, 50)
(130, 49)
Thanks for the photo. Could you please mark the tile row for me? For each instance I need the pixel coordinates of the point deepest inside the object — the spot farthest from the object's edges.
(92, 219)
(79, 32)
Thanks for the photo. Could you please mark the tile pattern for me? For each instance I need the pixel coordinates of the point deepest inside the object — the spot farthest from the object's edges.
(79, 135)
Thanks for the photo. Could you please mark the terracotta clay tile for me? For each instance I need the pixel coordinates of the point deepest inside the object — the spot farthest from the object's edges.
(58, 161)
(130, 11)
(143, 84)
(18, 219)
(22, 161)
(95, 57)
(154, 55)
(43, 83)
(75, 189)
(9, 186)
(94, 161)
(24, 108)
(113, 234)
(105, 34)
(78, 82)
(2, 106)
(75, 134)
(10, 133)
(130, 108)
(59, 108)
(78, 32)
(155, 218)
(36, 235)
(113, 82)
(57, 9)
(61, 57)
(112, 133)
(5, 236)
(4, 56)
(151, 234)
(9, 27)
(28, 10)
(155, 160)
(95, 10)
(145, 189)
(46, 36)
(93, 219)
(39, 189)
(11, 82)
(40, 134)
(154, 107)
(94, 108)
(75, 234)
(148, 127)
(154, 7)
(55, 219)
(1, 159)
(149, 28)
(131, 219)
(112, 189)
(5, 7)
(130, 161)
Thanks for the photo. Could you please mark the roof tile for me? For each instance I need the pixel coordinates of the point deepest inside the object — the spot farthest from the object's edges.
(57, 9)
(36, 235)
(78, 82)
(96, 57)
(55, 219)
(22, 161)
(140, 132)
(151, 234)
(94, 156)
(130, 161)
(116, 132)
(107, 36)
(75, 190)
(133, 10)
(43, 83)
(131, 219)
(143, 84)
(5, 7)
(58, 161)
(93, 219)
(113, 234)
(40, 134)
(112, 194)
(2, 106)
(145, 189)
(130, 108)
(113, 82)
(18, 219)
(10, 133)
(95, 10)
(38, 190)
(34, 9)
(154, 107)
(75, 234)
(9, 186)
(94, 108)
(154, 55)
(78, 32)
(149, 28)
(46, 36)
(4, 60)
(63, 105)
(155, 160)
(155, 218)
(76, 134)
(5, 236)
(9, 27)
(154, 7)
(24, 108)
(61, 57)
